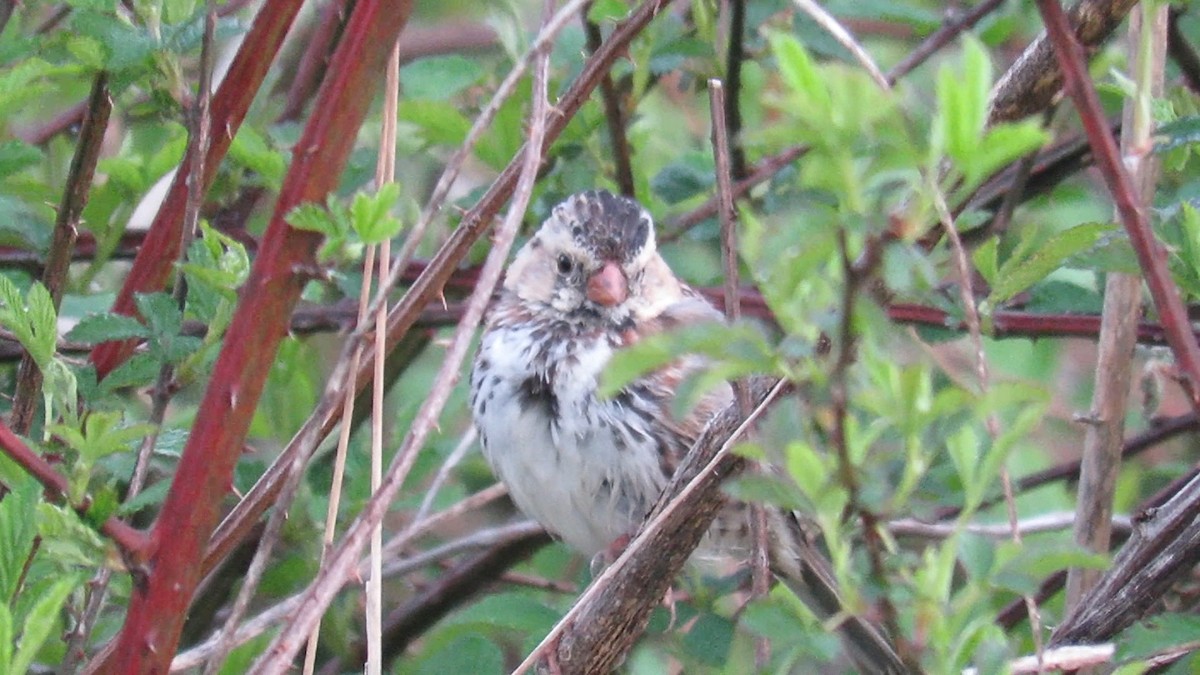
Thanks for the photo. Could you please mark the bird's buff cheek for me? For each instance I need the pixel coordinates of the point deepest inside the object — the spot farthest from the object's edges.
(608, 287)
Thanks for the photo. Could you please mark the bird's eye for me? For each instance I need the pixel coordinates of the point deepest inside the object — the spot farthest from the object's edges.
(565, 264)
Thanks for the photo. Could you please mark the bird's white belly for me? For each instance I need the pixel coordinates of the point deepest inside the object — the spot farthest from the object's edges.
(565, 460)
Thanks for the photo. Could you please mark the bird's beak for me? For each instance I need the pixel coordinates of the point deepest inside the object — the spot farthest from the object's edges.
(607, 286)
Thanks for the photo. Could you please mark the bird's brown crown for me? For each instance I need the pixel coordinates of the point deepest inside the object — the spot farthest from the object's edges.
(608, 226)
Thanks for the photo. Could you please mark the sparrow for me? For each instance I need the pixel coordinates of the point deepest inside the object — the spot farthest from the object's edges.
(589, 282)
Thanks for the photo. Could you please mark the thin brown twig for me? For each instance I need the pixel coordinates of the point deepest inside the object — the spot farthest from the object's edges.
(956, 23)
(62, 243)
(723, 161)
(735, 54)
(318, 49)
(614, 115)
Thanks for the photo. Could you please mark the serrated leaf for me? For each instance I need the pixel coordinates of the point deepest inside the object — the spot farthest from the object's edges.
(371, 214)
(139, 371)
(312, 217)
(127, 48)
(96, 328)
(43, 324)
(1017, 274)
(40, 622)
(66, 540)
(161, 313)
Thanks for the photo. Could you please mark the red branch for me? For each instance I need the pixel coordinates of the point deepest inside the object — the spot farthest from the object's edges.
(159, 606)
(1009, 323)
(1152, 256)
(160, 250)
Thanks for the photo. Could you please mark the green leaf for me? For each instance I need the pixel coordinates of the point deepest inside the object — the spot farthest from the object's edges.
(709, 638)
(140, 370)
(371, 214)
(962, 103)
(1017, 274)
(737, 349)
(439, 77)
(18, 527)
(43, 324)
(23, 226)
(440, 122)
(682, 180)
(250, 149)
(22, 83)
(161, 313)
(31, 319)
(16, 156)
(762, 488)
(67, 541)
(800, 73)
(103, 435)
(40, 623)
(6, 639)
(151, 496)
(96, 328)
(1001, 145)
(127, 48)
(1183, 131)
(466, 654)
(1025, 571)
(314, 218)
(1158, 635)
(984, 258)
(607, 10)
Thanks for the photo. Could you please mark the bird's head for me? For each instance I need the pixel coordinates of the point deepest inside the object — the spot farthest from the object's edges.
(594, 260)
